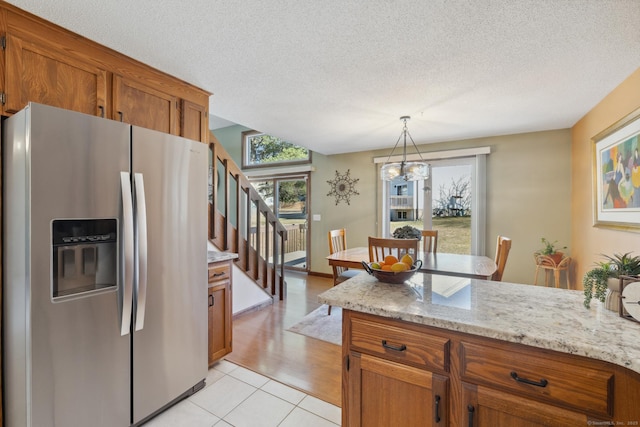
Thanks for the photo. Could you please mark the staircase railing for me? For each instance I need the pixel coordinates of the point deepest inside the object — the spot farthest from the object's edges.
(240, 221)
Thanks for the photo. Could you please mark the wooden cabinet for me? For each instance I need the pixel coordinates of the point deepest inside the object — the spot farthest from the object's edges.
(375, 381)
(47, 64)
(485, 406)
(141, 105)
(397, 374)
(194, 121)
(564, 383)
(220, 309)
(400, 373)
(43, 74)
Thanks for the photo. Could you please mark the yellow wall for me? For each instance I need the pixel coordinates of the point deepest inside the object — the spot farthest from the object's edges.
(587, 241)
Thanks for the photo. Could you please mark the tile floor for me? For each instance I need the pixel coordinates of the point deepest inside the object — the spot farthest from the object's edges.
(235, 396)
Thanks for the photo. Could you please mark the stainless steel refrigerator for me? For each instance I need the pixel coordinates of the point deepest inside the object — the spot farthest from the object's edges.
(105, 269)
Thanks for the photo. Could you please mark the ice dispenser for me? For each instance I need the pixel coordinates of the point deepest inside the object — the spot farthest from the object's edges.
(85, 254)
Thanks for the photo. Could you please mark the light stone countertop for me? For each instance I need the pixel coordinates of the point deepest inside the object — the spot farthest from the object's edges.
(548, 318)
(215, 256)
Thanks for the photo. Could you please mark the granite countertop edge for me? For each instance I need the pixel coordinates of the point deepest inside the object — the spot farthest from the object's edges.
(556, 320)
(214, 256)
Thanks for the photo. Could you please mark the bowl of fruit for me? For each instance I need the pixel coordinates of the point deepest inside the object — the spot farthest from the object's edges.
(392, 269)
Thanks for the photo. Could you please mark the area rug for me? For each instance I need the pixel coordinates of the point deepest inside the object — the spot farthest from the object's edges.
(319, 325)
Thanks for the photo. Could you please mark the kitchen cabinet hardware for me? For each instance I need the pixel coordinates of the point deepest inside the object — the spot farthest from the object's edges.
(401, 347)
(542, 383)
(470, 411)
(548, 388)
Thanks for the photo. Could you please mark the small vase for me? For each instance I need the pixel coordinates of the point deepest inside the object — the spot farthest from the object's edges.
(612, 300)
(596, 311)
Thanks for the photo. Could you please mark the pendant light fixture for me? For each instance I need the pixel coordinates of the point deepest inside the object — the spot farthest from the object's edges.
(409, 171)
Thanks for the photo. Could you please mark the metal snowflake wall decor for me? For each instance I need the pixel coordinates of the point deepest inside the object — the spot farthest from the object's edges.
(343, 187)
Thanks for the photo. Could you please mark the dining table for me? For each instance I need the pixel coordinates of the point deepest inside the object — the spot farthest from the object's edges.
(448, 264)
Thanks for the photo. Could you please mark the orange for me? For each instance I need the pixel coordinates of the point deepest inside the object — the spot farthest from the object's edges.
(386, 267)
(390, 259)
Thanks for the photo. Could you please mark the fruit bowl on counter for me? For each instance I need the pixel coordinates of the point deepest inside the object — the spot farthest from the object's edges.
(396, 276)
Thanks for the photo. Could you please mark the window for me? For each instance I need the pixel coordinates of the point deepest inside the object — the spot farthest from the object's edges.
(263, 150)
(454, 193)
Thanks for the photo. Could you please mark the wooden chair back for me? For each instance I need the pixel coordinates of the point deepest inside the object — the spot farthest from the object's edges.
(430, 241)
(502, 252)
(380, 247)
(337, 243)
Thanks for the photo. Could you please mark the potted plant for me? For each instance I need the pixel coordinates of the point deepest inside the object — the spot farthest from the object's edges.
(602, 282)
(550, 250)
(407, 232)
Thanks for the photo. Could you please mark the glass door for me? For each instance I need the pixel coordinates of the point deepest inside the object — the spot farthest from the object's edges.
(287, 197)
(444, 202)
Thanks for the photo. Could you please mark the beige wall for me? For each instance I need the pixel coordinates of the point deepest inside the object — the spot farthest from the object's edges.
(589, 241)
(528, 193)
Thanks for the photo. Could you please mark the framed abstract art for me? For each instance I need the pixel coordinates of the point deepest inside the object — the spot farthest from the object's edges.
(616, 173)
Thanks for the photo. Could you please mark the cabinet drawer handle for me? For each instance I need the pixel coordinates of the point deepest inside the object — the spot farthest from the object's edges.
(211, 300)
(437, 411)
(470, 411)
(218, 274)
(401, 347)
(541, 383)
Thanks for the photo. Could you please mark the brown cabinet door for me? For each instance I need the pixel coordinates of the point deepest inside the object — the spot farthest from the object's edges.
(385, 393)
(484, 406)
(144, 106)
(219, 321)
(40, 73)
(194, 123)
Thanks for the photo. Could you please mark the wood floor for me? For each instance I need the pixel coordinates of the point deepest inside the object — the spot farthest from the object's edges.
(262, 344)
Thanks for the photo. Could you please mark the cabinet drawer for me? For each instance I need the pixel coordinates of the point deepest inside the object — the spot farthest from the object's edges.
(403, 345)
(572, 385)
(219, 272)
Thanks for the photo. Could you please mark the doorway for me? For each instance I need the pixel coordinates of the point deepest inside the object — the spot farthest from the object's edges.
(448, 201)
(287, 197)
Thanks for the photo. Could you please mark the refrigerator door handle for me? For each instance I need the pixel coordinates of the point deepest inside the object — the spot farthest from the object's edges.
(141, 210)
(128, 252)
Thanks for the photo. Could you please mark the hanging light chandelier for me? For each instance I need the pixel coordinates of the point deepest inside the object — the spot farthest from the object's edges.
(409, 171)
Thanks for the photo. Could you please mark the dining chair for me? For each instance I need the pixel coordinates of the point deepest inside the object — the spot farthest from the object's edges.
(337, 243)
(502, 252)
(380, 247)
(429, 241)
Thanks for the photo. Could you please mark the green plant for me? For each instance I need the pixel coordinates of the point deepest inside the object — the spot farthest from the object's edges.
(594, 281)
(624, 264)
(407, 232)
(549, 247)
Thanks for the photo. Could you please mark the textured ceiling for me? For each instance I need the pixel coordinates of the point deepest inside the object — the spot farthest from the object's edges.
(336, 75)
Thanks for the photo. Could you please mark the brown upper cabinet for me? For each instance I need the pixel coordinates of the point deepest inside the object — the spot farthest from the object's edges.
(194, 121)
(142, 105)
(45, 75)
(47, 64)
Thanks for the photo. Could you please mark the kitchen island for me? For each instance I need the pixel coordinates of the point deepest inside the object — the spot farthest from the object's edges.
(442, 350)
